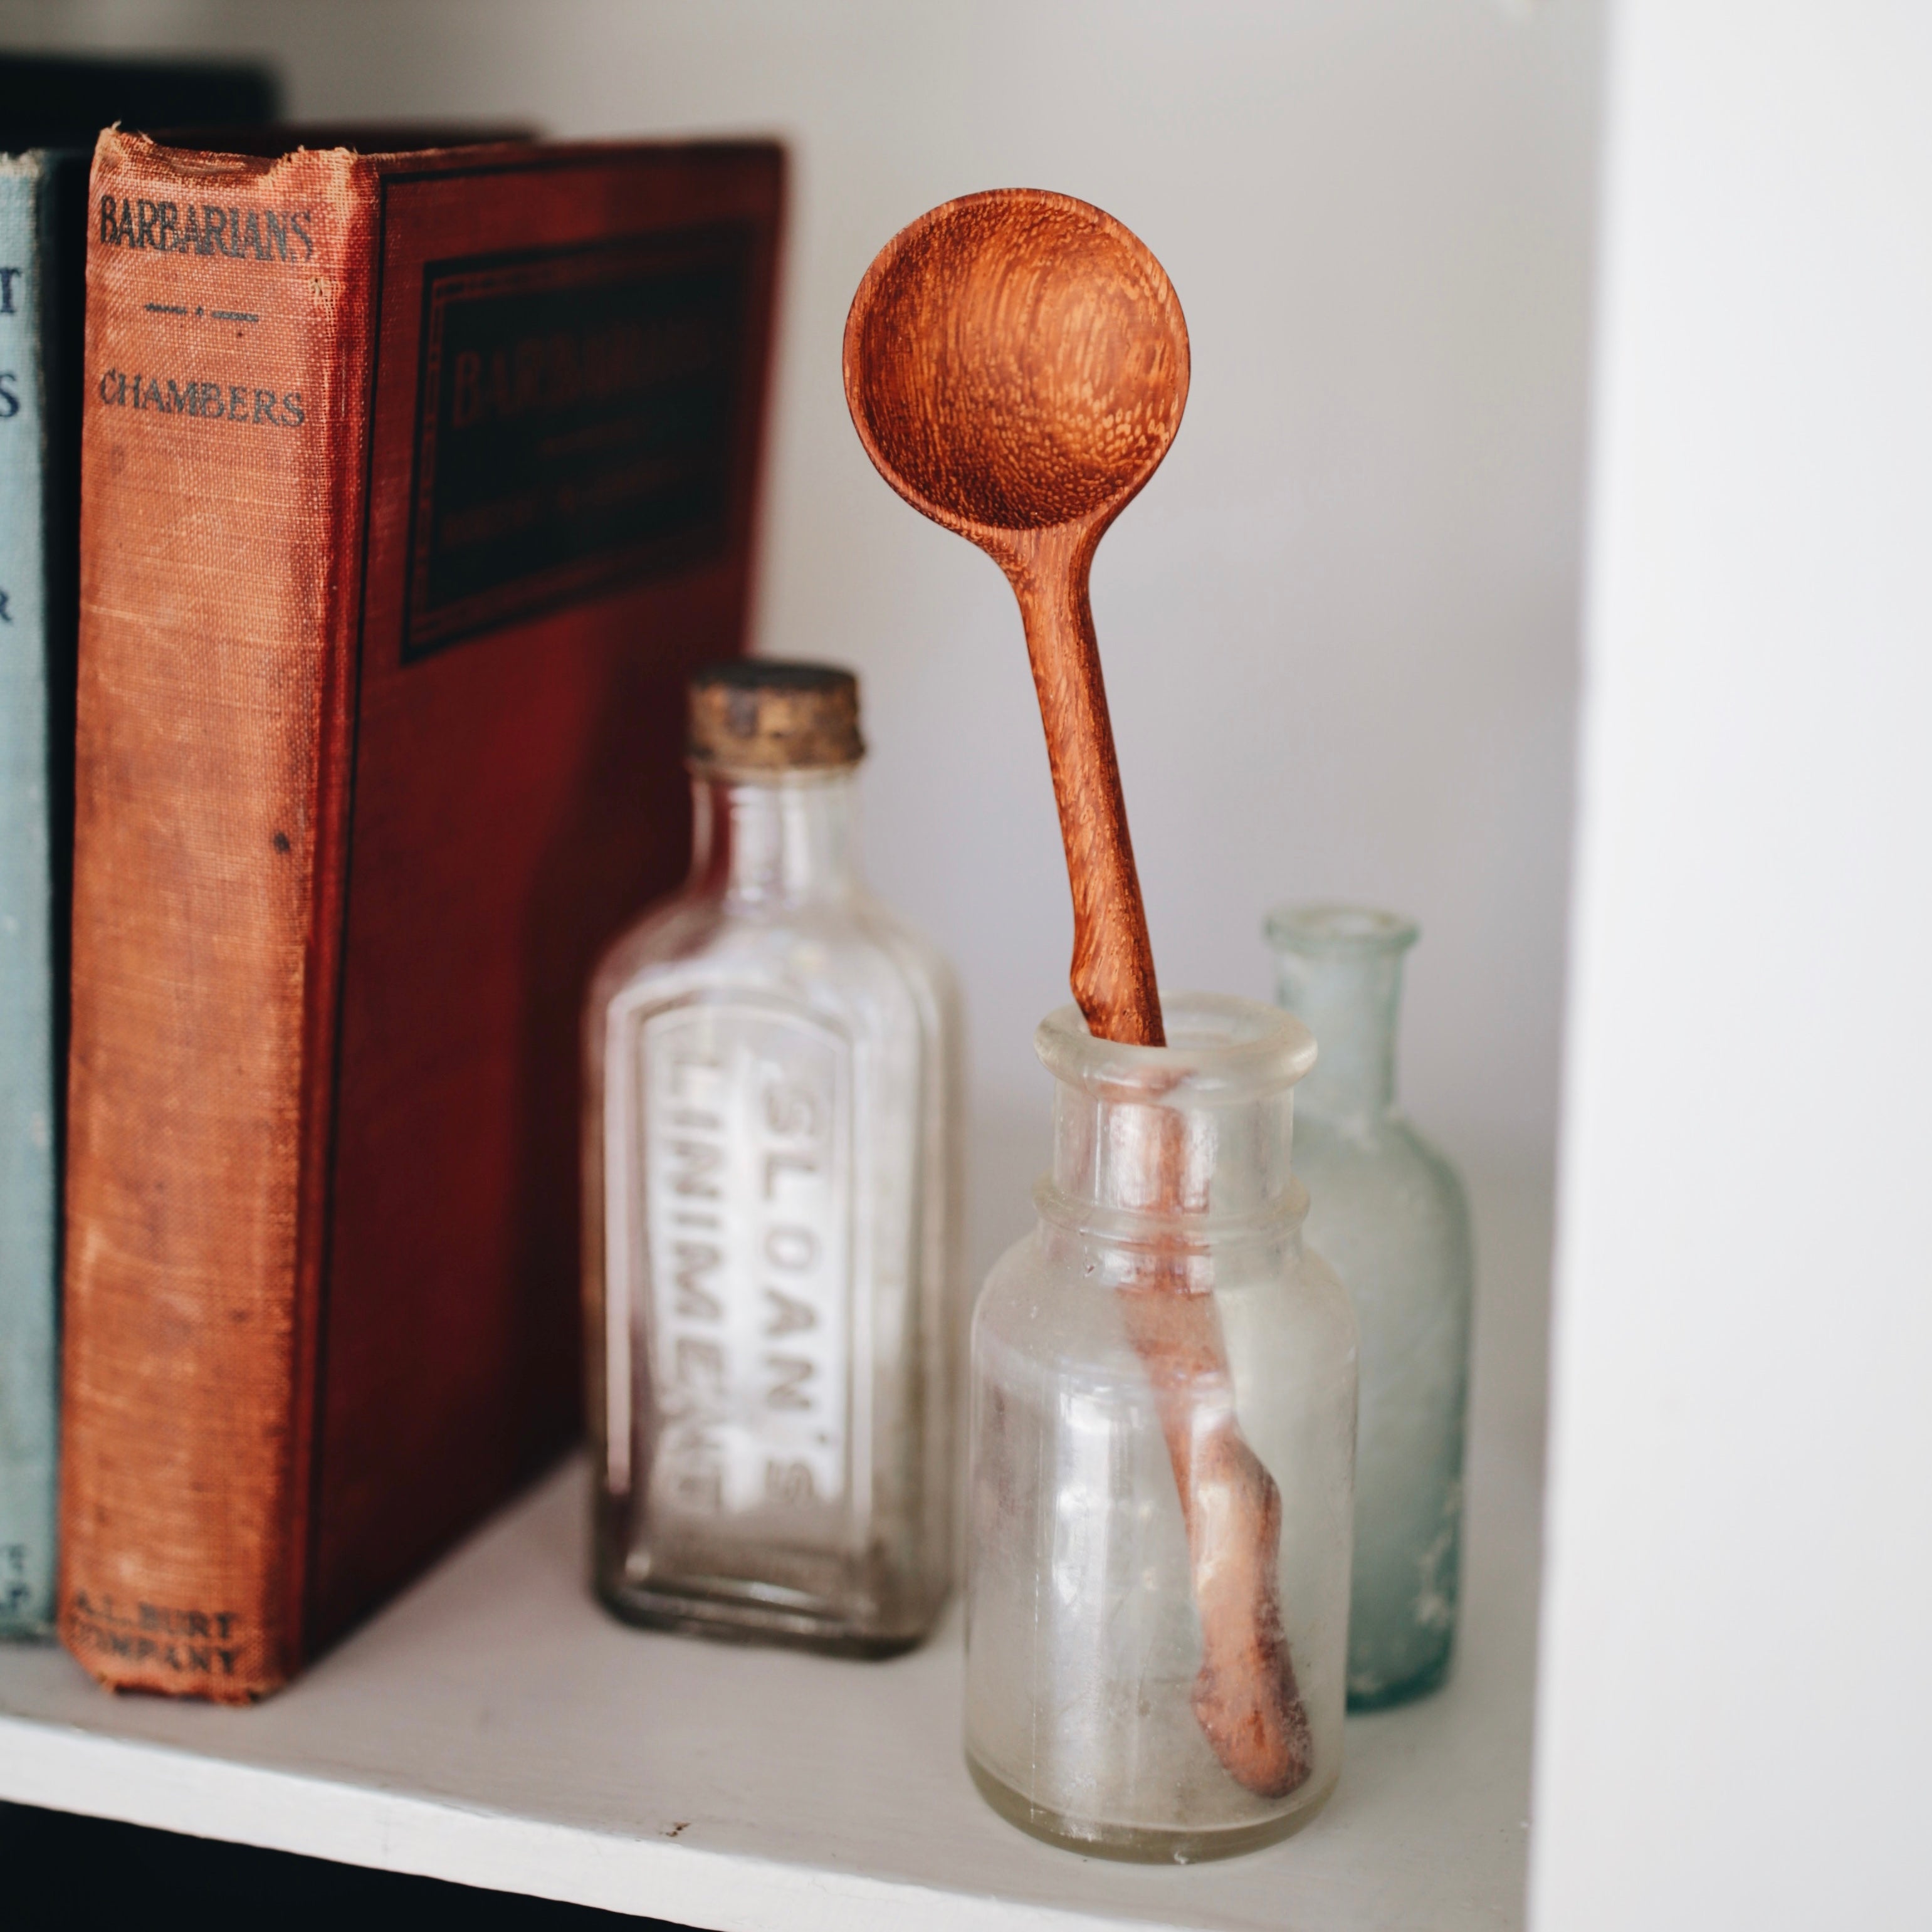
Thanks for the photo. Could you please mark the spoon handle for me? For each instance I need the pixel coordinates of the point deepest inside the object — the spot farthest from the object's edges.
(1112, 974)
(1246, 1698)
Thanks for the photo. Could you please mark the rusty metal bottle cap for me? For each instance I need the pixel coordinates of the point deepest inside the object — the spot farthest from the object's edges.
(749, 716)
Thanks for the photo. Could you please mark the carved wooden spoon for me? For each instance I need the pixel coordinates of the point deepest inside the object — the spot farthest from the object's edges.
(1016, 365)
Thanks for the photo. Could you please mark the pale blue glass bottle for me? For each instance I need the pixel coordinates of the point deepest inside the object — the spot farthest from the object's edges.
(1390, 1214)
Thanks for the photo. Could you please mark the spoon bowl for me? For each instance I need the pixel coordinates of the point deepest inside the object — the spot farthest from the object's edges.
(1016, 361)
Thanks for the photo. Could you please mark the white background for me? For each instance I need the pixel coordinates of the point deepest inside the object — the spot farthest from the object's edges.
(1339, 632)
(1339, 626)
(1737, 1680)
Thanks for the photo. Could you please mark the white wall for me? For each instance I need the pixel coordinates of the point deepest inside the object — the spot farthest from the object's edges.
(1339, 627)
(1736, 1687)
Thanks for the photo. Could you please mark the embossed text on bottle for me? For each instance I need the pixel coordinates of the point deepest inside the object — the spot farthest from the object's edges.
(747, 1188)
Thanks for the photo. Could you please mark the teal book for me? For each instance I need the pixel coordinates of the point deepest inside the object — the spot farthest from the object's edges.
(36, 685)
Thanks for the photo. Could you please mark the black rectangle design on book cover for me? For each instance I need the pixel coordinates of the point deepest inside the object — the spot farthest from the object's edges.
(577, 423)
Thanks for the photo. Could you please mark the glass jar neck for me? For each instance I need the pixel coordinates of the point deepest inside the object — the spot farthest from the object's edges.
(1123, 1159)
(1192, 1140)
(789, 839)
(1349, 999)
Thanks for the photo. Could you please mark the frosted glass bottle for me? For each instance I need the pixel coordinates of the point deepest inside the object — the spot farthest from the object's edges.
(1164, 1295)
(1390, 1213)
(772, 1140)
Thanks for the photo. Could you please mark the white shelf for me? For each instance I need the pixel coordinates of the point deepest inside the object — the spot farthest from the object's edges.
(494, 1727)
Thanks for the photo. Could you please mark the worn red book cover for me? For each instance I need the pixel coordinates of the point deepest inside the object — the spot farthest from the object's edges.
(413, 485)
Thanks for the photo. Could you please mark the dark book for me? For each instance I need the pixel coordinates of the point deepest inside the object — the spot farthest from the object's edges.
(414, 484)
(58, 100)
(50, 111)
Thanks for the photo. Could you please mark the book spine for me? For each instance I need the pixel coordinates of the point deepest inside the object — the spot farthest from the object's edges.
(229, 322)
(29, 1169)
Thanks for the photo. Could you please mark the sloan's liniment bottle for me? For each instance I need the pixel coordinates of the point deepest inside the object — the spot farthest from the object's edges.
(771, 1173)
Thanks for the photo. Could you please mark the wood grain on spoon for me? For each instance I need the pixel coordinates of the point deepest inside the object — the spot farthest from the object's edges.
(1016, 365)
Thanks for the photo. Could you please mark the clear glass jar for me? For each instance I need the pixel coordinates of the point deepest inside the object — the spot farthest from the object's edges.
(1390, 1213)
(1161, 1331)
(772, 1157)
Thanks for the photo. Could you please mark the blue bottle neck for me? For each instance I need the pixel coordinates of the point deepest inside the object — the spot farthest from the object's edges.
(1340, 973)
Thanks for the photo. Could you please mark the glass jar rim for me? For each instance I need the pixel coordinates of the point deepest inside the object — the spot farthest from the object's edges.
(1224, 1049)
(1325, 926)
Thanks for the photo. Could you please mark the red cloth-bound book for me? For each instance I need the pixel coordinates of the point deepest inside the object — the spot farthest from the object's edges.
(413, 484)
